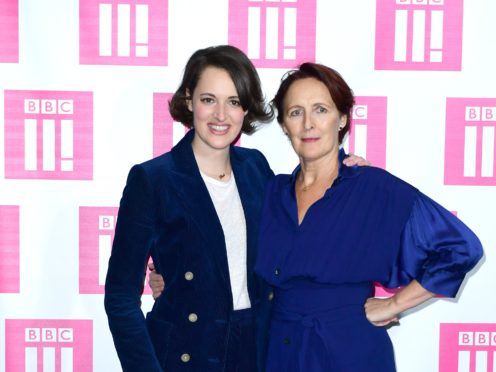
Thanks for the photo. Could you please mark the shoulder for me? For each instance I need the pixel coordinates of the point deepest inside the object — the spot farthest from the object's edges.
(152, 170)
(251, 157)
(248, 154)
(278, 182)
(379, 177)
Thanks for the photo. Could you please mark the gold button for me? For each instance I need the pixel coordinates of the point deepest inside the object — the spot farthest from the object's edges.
(271, 296)
(192, 317)
(185, 358)
(188, 275)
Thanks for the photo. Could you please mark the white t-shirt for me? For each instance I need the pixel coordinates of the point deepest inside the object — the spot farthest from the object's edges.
(229, 209)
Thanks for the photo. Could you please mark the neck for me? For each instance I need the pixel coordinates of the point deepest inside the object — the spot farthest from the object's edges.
(322, 171)
(214, 163)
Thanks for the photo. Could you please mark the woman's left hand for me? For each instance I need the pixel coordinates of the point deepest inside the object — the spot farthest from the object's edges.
(380, 311)
(353, 159)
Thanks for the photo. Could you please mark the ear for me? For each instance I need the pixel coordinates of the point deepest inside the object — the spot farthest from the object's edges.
(342, 121)
(189, 101)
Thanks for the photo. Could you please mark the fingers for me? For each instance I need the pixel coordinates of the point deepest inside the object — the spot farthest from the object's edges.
(155, 282)
(352, 160)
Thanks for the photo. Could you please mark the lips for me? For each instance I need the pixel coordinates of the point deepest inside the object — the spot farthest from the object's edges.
(218, 128)
(310, 139)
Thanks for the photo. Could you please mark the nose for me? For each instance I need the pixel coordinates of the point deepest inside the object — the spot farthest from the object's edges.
(307, 122)
(220, 112)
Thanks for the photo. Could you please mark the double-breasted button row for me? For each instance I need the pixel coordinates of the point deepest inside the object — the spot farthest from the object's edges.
(192, 317)
(185, 357)
(188, 275)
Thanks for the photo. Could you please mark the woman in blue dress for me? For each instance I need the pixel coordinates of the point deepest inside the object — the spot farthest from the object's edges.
(329, 231)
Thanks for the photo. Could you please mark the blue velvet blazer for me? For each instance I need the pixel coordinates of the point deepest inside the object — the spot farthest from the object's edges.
(166, 212)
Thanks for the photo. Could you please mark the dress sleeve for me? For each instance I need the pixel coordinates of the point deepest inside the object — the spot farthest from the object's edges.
(437, 249)
(126, 274)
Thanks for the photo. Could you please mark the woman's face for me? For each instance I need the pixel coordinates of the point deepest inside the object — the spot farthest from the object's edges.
(311, 119)
(217, 112)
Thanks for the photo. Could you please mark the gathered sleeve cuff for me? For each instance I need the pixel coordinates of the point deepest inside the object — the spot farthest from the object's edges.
(437, 249)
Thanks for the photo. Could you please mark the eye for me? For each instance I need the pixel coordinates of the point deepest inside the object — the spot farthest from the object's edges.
(235, 102)
(294, 113)
(321, 109)
(207, 100)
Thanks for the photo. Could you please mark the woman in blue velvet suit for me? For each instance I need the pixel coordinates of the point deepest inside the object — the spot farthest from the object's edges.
(328, 232)
(195, 211)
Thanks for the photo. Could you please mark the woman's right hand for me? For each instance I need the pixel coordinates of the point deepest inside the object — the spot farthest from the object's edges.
(155, 281)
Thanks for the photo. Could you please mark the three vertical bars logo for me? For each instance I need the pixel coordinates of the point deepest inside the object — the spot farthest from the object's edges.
(96, 235)
(48, 135)
(467, 347)
(419, 35)
(132, 32)
(48, 345)
(274, 33)
(470, 141)
(367, 137)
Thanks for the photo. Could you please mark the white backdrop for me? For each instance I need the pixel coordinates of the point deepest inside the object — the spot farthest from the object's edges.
(79, 108)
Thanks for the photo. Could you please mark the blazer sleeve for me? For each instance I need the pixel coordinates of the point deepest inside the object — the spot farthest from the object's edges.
(437, 249)
(126, 274)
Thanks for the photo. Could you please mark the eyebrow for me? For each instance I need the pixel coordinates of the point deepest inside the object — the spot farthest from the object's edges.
(213, 95)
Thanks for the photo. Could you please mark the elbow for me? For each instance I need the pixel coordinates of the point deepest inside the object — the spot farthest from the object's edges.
(476, 251)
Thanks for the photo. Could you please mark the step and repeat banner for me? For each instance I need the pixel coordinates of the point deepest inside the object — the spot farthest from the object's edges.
(84, 87)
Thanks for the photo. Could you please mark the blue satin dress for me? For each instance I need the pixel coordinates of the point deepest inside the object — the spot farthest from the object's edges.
(368, 227)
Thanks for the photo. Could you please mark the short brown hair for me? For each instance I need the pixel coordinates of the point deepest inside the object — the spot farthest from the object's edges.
(340, 92)
(244, 76)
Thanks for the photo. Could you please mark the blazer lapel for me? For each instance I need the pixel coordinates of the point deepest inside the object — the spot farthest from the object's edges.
(251, 205)
(197, 199)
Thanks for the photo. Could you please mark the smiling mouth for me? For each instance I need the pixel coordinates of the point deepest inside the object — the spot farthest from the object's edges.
(219, 129)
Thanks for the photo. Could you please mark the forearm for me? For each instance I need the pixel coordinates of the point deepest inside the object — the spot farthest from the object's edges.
(130, 334)
(410, 296)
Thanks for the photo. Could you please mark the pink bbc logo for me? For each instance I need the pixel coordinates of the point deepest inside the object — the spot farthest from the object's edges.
(9, 31)
(419, 35)
(96, 235)
(367, 137)
(470, 141)
(166, 132)
(9, 249)
(467, 347)
(274, 33)
(48, 135)
(126, 32)
(48, 345)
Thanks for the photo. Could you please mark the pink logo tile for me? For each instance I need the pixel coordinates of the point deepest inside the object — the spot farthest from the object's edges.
(96, 235)
(368, 132)
(9, 249)
(166, 132)
(123, 32)
(48, 135)
(470, 141)
(48, 345)
(9, 31)
(467, 347)
(419, 35)
(274, 33)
